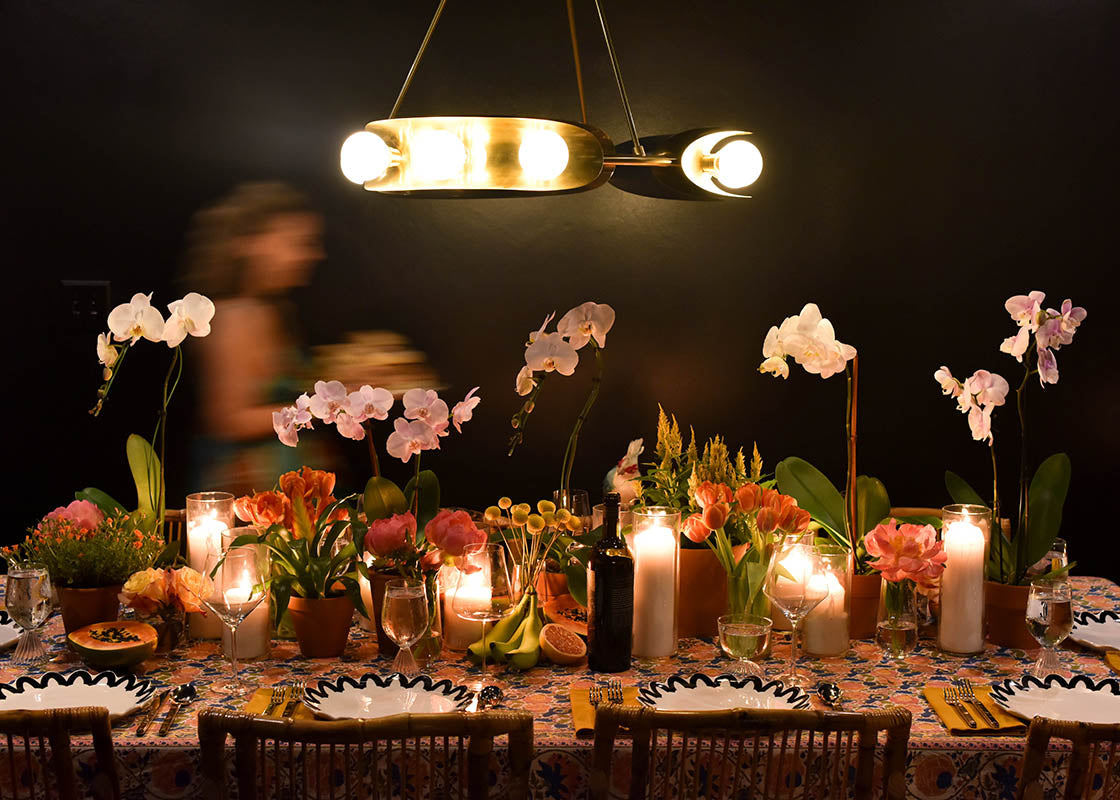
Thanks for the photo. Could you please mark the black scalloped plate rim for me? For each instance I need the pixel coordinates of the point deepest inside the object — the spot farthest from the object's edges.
(798, 698)
(1094, 617)
(461, 695)
(144, 687)
(1010, 687)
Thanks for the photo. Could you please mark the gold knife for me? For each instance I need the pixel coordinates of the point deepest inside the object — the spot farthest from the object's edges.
(151, 712)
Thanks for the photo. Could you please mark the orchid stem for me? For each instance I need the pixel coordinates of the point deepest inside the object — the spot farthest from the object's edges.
(1021, 526)
(372, 450)
(852, 499)
(573, 440)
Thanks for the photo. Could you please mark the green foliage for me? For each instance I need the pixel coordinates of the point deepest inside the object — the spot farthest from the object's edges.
(428, 505)
(383, 499)
(147, 475)
(961, 491)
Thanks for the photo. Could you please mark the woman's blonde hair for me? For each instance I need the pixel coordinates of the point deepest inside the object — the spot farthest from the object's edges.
(213, 265)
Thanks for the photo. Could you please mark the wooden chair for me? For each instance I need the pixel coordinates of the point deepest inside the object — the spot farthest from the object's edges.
(1092, 745)
(175, 527)
(28, 771)
(752, 753)
(410, 756)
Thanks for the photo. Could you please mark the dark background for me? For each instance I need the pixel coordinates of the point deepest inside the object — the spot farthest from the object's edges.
(924, 161)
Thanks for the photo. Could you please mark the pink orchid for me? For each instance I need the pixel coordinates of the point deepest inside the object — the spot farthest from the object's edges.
(906, 552)
(1017, 345)
(1071, 317)
(463, 411)
(369, 403)
(425, 405)
(409, 438)
(287, 422)
(950, 386)
(1047, 366)
(549, 352)
(980, 393)
(83, 513)
(349, 426)
(386, 536)
(585, 322)
(1024, 309)
(328, 400)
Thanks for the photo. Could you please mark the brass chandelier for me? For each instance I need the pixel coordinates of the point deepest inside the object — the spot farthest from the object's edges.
(516, 156)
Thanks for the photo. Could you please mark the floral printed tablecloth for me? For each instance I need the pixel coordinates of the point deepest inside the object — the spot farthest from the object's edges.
(940, 766)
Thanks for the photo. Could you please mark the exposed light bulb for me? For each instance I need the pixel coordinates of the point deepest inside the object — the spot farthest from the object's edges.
(738, 164)
(436, 155)
(543, 154)
(364, 157)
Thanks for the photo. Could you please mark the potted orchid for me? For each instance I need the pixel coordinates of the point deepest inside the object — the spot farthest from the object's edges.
(425, 421)
(909, 557)
(1021, 543)
(164, 597)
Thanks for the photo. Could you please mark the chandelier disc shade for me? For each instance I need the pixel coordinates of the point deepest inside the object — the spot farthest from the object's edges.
(693, 165)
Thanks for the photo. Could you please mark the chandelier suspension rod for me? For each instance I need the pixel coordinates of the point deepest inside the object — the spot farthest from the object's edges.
(416, 61)
(575, 56)
(638, 149)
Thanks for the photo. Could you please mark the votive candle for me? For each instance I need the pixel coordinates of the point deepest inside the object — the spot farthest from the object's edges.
(209, 516)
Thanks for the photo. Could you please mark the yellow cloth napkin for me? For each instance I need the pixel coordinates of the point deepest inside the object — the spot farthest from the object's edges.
(1112, 658)
(262, 697)
(583, 713)
(1008, 725)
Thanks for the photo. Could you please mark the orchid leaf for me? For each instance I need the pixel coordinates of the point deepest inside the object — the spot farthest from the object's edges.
(145, 467)
(872, 503)
(961, 492)
(383, 499)
(354, 592)
(813, 492)
(429, 497)
(1047, 496)
(576, 572)
(107, 504)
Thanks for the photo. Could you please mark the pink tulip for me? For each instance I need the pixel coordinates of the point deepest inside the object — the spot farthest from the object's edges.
(387, 536)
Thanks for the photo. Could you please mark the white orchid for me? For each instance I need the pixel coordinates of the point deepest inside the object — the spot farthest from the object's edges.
(525, 381)
(191, 315)
(810, 340)
(369, 403)
(550, 352)
(410, 438)
(463, 411)
(107, 353)
(135, 319)
(534, 334)
(585, 322)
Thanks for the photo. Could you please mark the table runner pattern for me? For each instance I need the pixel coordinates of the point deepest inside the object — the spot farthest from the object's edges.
(940, 766)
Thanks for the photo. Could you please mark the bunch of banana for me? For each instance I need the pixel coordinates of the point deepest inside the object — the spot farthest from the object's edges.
(514, 639)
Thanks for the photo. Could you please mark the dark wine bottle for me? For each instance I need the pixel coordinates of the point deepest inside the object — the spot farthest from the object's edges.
(610, 597)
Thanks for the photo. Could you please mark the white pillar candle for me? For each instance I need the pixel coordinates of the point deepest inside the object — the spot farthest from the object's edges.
(204, 534)
(253, 632)
(366, 623)
(655, 591)
(799, 569)
(826, 627)
(472, 594)
(962, 589)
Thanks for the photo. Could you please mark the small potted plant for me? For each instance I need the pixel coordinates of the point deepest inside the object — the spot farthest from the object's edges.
(314, 565)
(163, 598)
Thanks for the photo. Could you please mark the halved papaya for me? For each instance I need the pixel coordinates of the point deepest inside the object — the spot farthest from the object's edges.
(110, 645)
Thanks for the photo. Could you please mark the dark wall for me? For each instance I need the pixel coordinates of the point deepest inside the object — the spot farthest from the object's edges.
(924, 161)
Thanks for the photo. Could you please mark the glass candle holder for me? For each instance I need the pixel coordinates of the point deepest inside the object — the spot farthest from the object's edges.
(209, 516)
(655, 542)
(472, 594)
(826, 629)
(966, 534)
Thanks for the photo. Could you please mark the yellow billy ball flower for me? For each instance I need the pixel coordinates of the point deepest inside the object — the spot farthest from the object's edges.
(492, 515)
(505, 503)
(520, 516)
(536, 523)
(562, 516)
(574, 523)
(549, 518)
(523, 507)
(545, 506)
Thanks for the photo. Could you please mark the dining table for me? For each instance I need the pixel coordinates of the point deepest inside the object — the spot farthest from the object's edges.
(940, 765)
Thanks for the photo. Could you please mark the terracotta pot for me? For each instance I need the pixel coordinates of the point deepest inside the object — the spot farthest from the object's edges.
(81, 607)
(864, 605)
(702, 592)
(322, 624)
(1006, 608)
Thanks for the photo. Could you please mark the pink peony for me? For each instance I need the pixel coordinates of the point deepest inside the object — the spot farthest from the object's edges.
(386, 536)
(83, 513)
(451, 531)
(906, 552)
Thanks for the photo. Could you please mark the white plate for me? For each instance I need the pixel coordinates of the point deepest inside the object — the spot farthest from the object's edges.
(703, 693)
(372, 696)
(1079, 699)
(9, 631)
(121, 694)
(1099, 630)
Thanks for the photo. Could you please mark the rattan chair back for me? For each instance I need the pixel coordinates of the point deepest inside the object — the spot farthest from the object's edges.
(175, 527)
(1094, 765)
(752, 753)
(412, 756)
(36, 762)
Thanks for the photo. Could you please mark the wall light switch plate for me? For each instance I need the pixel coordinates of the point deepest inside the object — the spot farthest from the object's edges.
(85, 304)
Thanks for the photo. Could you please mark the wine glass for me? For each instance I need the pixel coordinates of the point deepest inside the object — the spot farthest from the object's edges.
(484, 593)
(404, 616)
(238, 589)
(1050, 620)
(796, 583)
(744, 636)
(28, 597)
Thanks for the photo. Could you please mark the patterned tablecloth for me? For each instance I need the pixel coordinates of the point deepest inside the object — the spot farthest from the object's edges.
(940, 766)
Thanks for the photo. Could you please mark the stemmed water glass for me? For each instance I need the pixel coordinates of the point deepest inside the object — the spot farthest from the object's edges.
(28, 598)
(485, 593)
(744, 636)
(238, 588)
(796, 584)
(404, 617)
(1050, 620)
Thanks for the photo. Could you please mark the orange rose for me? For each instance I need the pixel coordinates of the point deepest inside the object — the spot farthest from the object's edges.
(146, 591)
(189, 590)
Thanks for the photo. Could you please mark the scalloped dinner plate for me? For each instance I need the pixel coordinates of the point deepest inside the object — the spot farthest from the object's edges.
(1080, 699)
(9, 631)
(1097, 629)
(372, 696)
(703, 693)
(121, 694)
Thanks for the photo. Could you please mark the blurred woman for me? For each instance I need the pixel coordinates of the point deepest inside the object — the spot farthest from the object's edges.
(247, 253)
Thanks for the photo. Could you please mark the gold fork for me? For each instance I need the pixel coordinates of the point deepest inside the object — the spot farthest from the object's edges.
(614, 691)
(595, 696)
(276, 700)
(953, 698)
(296, 699)
(969, 695)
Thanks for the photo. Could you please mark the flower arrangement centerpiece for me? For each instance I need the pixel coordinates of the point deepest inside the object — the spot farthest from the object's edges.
(164, 597)
(557, 351)
(1037, 521)
(89, 555)
(727, 506)
(394, 522)
(907, 556)
(303, 530)
(128, 323)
